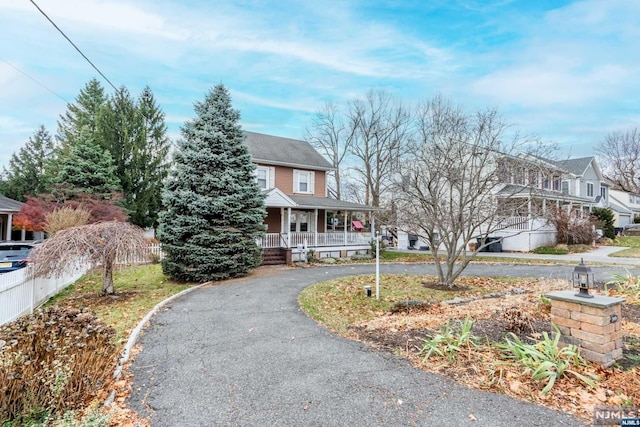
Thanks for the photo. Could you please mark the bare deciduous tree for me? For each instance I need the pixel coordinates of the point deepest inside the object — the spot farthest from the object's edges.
(98, 244)
(333, 138)
(381, 126)
(620, 155)
(446, 192)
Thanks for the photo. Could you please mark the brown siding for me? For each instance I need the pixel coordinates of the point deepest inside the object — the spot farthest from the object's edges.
(284, 180)
(273, 220)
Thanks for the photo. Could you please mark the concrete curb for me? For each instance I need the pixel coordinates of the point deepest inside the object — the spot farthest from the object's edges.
(133, 337)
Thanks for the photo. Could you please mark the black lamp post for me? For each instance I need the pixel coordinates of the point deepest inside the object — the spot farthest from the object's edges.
(583, 279)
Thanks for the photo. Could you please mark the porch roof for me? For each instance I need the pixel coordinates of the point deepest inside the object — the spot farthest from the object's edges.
(8, 205)
(521, 191)
(314, 202)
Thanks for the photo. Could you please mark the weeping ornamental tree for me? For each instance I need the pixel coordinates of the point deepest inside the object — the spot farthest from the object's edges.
(214, 207)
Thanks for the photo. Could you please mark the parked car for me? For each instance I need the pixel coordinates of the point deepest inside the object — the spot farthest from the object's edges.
(14, 255)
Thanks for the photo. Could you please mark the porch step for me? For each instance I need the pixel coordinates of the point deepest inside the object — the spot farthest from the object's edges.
(273, 256)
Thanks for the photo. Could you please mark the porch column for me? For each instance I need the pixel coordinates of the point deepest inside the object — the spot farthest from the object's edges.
(315, 227)
(9, 222)
(374, 235)
(530, 216)
(288, 227)
(345, 228)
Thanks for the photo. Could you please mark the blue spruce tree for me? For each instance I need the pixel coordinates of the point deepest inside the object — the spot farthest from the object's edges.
(214, 209)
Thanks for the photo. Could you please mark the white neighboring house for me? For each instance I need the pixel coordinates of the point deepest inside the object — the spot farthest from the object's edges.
(625, 206)
(534, 187)
(8, 208)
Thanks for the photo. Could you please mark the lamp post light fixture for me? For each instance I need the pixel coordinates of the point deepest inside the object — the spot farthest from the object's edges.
(583, 279)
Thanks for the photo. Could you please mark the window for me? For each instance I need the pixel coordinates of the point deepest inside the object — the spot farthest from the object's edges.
(603, 192)
(589, 189)
(565, 187)
(556, 184)
(303, 181)
(264, 177)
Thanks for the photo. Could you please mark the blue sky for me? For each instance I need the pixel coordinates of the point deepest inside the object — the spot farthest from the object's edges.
(566, 71)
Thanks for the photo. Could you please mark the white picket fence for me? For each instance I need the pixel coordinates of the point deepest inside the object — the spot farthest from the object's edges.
(20, 295)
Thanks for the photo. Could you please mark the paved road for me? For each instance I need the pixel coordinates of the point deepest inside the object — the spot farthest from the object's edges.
(241, 353)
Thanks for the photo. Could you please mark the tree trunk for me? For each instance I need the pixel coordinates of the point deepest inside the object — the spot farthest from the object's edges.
(107, 278)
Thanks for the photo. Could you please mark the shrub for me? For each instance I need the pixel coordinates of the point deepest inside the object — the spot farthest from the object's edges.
(52, 361)
(604, 219)
(382, 248)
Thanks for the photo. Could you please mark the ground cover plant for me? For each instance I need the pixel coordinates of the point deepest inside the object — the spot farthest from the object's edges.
(491, 334)
(80, 327)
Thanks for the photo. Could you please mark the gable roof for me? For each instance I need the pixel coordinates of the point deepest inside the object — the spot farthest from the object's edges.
(575, 166)
(275, 150)
(9, 205)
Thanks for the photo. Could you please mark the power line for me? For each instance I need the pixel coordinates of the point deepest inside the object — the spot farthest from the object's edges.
(28, 76)
(73, 44)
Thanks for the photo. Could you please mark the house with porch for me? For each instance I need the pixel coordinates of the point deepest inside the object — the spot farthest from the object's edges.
(8, 208)
(533, 189)
(300, 214)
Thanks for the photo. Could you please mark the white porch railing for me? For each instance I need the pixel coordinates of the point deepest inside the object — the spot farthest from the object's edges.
(516, 223)
(277, 240)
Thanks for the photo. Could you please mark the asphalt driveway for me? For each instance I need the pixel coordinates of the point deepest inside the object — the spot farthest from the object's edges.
(241, 353)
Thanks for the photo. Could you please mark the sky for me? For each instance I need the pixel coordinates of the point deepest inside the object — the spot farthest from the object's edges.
(565, 71)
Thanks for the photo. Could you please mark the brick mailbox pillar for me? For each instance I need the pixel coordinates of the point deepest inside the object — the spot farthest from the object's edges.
(593, 324)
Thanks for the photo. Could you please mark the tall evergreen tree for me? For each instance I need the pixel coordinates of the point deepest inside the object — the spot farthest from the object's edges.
(151, 162)
(84, 112)
(214, 208)
(135, 134)
(29, 167)
(88, 169)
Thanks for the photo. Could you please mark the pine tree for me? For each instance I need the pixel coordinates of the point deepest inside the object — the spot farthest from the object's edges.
(214, 207)
(84, 113)
(28, 169)
(88, 169)
(150, 162)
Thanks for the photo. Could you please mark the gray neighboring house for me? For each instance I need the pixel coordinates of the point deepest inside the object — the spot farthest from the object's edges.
(300, 213)
(584, 179)
(8, 208)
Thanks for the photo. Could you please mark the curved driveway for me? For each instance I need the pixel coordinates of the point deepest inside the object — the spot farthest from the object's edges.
(241, 353)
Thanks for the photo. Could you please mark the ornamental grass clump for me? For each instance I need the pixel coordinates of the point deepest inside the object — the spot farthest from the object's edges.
(55, 360)
(546, 360)
(449, 342)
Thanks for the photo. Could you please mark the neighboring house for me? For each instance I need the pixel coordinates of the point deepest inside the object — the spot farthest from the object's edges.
(533, 188)
(625, 206)
(8, 208)
(584, 179)
(300, 215)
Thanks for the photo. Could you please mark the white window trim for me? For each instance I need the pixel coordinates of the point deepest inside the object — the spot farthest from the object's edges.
(269, 174)
(590, 186)
(297, 174)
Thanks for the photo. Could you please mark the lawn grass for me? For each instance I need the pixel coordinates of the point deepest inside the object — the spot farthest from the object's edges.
(633, 242)
(342, 302)
(138, 289)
